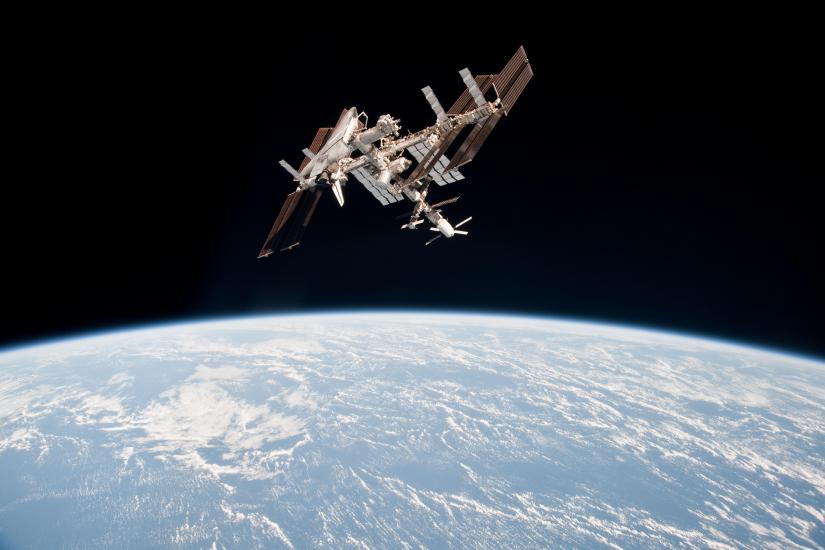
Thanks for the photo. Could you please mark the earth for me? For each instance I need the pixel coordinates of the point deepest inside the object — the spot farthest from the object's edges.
(401, 430)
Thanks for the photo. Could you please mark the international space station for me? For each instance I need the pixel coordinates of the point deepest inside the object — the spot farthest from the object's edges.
(375, 156)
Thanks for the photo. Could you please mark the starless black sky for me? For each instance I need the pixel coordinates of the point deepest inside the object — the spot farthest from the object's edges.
(668, 181)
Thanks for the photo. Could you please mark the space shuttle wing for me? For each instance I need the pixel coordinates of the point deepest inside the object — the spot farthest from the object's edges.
(324, 135)
(317, 142)
(379, 157)
(335, 145)
(343, 121)
(340, 130)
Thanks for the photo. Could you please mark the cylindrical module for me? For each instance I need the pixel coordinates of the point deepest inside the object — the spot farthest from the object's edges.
(445, 228)
(395, 167)
(386, 125)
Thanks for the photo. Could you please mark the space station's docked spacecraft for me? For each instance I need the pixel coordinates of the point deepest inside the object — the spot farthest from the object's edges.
(375, 155)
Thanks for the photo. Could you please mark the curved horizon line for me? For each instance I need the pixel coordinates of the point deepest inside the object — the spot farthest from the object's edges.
(103, 332)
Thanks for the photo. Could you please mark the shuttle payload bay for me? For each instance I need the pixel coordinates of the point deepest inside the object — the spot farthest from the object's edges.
(376, 156)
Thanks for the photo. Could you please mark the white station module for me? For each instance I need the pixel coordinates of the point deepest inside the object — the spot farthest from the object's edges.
(375, 156)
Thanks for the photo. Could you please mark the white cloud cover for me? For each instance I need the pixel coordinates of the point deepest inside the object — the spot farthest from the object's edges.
(203, 414)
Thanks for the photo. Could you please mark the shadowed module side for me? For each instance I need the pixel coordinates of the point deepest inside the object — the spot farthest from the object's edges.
(375, 155)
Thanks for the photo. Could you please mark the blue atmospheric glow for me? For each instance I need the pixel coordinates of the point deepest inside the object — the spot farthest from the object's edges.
(386, 428)
(418, 312)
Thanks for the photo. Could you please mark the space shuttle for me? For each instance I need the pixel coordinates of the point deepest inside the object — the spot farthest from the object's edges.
(381, 159)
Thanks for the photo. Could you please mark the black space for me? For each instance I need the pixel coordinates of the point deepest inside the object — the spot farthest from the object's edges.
(667, 181)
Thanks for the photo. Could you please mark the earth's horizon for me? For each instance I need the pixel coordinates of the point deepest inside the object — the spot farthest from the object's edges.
(411, 428)
(506, 314)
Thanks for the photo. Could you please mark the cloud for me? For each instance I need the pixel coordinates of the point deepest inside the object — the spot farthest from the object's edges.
(203, 414)
(121, 379)
(220, 373)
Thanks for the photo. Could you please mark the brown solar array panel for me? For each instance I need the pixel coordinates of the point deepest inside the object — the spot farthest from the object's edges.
(515, 90)
(442, 203)
(432, 157)
(459, 155)
(465, 101)
(304, 213)
(317, 142)
(292, 221)
(510, 82)
(283, 217)
(510, 71)
(474, 141)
